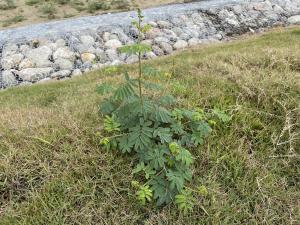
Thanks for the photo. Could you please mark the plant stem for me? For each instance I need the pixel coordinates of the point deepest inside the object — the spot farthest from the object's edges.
(140, 60)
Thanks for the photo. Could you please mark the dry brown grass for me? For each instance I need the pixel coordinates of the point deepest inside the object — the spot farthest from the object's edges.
(52, 170)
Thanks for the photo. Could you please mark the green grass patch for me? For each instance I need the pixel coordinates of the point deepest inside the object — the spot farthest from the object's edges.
(13, 20)
(52, 170)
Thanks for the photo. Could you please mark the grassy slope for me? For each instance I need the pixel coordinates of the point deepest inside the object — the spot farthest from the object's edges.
(53, 172)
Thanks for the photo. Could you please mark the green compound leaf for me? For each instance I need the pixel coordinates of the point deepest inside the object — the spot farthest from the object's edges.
(221, 115)
(135, 49)
(111, 124)
(185, 157)
(185, 201)
(161, 190)
(144, 194)
(150, 71)
(176, 179)
(125, 91)
(124, 144)
(140, 136)
(162, 115)
(104, 88)
(164, 134)
(156, 158)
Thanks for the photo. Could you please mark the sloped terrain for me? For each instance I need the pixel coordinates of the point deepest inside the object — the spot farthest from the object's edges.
(22, 12)
(52, 170)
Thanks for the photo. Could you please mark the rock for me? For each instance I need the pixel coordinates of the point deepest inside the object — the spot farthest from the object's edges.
(60, 43)
(193, 42)
(45, 80)
(148, 42)
(25, 83)
(24, 49)
(152, 24)
(171, 35)
(197, 18)
(116, 63)
(35, 74)
(112, 54)
(164, 24)
(132, 59)
(166, 47)
(60, 74)
(8, 79)
(153, 33)
(106, 36)
(97, 66)
(52, 46)
(26, 63)
(294, 19)
(12, 61)
(149, 55)
(64, 64)
(88, 57)
(262, 6)
(157, 50)
(9, 49)
(120, 35)
(64, 53)
(76, 72)
(180, 44)
(177, 30)
(81, 48)
(113, 44)
(87, 40)
(102, 58)
(40, 56)
(185, 36)
(159, 40)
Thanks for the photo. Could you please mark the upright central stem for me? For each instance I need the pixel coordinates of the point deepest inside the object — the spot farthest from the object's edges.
(140, 61)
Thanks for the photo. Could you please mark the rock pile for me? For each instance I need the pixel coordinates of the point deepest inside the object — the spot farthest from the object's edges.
(42, 59)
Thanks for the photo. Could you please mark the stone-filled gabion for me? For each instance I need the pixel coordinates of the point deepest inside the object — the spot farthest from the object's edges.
(41, 59)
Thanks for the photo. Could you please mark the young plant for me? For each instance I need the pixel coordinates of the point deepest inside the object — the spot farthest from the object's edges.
(150, 127)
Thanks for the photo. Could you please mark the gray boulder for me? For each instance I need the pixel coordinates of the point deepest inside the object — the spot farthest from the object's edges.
(112, 54)
(180, 44)
(166, 47)
(64, 53)
(113, 44)
(164, 24)
(64, 64)
(8, 79)
(26, 63)
(12, 61)
(9, 49)
(40, 56)
(60, 74)
(87, 40)
(157, 50)
(35, 74)
(294, 19)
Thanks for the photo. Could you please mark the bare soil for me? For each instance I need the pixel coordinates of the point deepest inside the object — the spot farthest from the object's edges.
(24, 14)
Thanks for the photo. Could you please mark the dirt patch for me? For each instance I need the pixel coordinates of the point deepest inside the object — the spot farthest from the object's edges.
(14, 13)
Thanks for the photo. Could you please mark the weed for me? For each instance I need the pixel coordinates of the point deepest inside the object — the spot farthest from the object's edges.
(7, 4)
(49, 9)
(13, 20)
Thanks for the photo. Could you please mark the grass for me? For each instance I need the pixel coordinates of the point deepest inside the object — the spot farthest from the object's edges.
(52, 170)
(13, 20)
